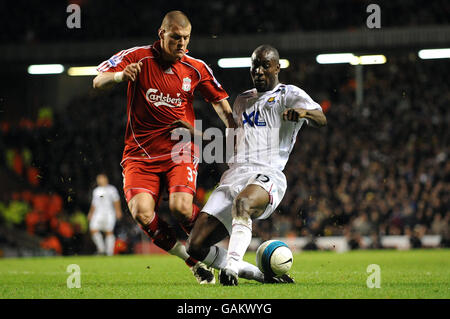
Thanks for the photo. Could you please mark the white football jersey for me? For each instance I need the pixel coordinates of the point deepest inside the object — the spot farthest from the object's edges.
(103, 198)
(263, 137)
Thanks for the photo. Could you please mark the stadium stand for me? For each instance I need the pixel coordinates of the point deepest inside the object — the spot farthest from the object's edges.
(216, 18)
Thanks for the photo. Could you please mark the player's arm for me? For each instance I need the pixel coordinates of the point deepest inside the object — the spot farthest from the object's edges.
(183, 124)
(316, 117)
(223, 109)
(118, 209)
(106, 80)
(91, 212)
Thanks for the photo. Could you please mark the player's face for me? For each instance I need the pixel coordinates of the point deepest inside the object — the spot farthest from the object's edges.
(174, 41)
(264, 70)
(102, 180)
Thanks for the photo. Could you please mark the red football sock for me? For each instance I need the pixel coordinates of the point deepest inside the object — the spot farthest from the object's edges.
(191, 261)
(189, 224)
(161, 233)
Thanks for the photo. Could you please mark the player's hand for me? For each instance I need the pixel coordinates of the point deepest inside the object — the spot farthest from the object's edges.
(294, 115)
(182, 124)
(131, 71)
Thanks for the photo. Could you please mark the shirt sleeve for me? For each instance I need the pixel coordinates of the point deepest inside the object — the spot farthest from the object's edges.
(94, 201)
(114, 194)
(118, 61)
(297, 98)
(209, 87)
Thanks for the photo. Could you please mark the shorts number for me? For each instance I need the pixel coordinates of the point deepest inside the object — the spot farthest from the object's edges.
(192, 175)
(263, 178)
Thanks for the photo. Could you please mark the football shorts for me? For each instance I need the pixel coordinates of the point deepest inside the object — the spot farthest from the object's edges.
(152, 176)
(234, 180)
(102, 222)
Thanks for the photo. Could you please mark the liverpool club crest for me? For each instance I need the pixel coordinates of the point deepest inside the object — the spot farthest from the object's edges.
(186, 84)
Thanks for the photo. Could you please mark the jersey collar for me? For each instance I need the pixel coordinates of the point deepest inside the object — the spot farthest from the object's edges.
(259, 94)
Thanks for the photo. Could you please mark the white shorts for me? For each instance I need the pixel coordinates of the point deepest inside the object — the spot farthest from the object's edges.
(102, 222)
(234, 180)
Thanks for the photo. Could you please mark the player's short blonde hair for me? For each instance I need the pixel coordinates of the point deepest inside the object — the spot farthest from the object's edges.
(175, 17)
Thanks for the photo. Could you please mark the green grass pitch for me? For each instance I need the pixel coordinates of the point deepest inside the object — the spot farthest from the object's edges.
(404, 274)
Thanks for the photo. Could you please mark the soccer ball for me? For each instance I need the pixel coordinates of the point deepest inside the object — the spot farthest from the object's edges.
(273, 257)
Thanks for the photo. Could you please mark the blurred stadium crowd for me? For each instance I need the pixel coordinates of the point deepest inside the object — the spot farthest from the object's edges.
(212, 18)
(379, 168)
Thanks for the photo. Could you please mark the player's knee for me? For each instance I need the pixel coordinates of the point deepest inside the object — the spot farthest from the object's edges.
(141, 211)
(246, 207)
(242, 207)
(181, 209)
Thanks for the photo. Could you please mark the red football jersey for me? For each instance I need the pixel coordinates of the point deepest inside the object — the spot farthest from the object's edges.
(161, 94)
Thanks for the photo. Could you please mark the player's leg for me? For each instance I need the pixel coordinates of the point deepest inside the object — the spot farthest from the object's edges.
(181, 205)
(108, 229)
(208, 231)
(249, 204)
(110, 241)
(142, 189)
(96, 235)
(97, 238)
(181, 180)
(142, 208)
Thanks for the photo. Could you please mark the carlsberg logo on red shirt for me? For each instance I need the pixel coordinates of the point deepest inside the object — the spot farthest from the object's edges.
(159, 99)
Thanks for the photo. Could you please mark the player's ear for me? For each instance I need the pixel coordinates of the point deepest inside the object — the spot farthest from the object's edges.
(161, 33)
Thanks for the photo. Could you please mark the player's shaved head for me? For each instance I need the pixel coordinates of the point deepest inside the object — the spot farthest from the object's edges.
(175, 17)
(175, 32)
(267, 49)
(265, 67)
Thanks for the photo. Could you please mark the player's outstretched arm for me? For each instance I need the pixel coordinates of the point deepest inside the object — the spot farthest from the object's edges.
(106, 80)
(316, 117)
(223, 109)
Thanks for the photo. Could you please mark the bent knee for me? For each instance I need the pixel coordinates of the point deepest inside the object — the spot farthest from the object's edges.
(182, 210)
(142, 211)
(245, 207)
(242, 207)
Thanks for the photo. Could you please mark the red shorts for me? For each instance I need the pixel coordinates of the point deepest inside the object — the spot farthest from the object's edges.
(151, 176)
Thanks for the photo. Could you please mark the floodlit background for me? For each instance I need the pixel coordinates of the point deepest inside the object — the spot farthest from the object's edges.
(377, 176)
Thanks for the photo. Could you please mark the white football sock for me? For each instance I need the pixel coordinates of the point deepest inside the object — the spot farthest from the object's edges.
(217, 258)
(179, 250)
(241, 235)
(250, 271)
(110, 241)
(97, 238)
